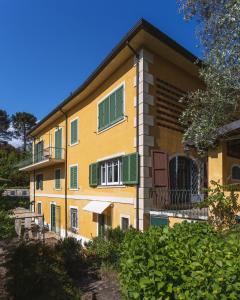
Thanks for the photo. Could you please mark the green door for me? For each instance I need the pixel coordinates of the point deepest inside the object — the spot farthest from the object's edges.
(53, 217)
(101, 225)
(156, 220)
(38, 155)
(58, 143)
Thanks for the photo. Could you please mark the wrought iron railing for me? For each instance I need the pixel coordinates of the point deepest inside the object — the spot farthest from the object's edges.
(185, 203)
(45, 154)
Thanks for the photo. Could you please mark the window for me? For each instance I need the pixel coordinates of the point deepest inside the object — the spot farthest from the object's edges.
(74, 132)
(111, 173)
(121, 170)
(39, 182)
(110, 110)
(236, 172)
(24, 193)
(57, 179)
(233, 148)
(124, 223)
(74, 218)
(39, 208)
(12, 193)
(73, 177)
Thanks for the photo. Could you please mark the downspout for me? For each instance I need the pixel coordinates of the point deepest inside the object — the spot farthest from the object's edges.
(34, 178)
(137, 131)
(66, 173)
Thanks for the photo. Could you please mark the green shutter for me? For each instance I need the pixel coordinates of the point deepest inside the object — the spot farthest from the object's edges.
(58, 144)
(119, 103)
(106, 112)
(74, 131)
(73, 177)
(130, 169)
(100, 115)
(57, 179)
(112, 108)
(93, 174)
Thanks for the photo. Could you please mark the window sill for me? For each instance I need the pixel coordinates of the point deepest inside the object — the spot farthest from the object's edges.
(73, 189)
(57, 189)
(111, 186)
(111, 126)
(74, 144)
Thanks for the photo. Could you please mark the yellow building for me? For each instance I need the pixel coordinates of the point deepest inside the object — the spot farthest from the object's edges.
(111, 153)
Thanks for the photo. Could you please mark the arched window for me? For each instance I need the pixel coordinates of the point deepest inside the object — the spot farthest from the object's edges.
(236, 172)
(183, 173)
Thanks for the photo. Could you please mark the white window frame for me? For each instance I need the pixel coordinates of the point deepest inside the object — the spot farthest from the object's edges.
(105, 163)
(57, 189)
(39, 202)
(70, 166)
(76, 208)
(234, 179)
(122, 84)
(126, 217)
(71, 121)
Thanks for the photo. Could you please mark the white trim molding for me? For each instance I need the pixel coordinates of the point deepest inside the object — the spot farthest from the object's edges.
(123, 200)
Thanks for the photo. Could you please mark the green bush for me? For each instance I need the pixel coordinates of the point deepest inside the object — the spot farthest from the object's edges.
(189, 261)
(8, 203)
(70, 252)
(106, 249)
(35, 272)
(7, 229)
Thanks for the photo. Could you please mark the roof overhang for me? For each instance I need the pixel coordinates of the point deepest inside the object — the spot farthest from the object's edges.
(142, 35)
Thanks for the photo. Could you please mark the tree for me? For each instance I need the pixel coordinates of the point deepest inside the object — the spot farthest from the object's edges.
(219, 33)
(22, 122)
(5, 134)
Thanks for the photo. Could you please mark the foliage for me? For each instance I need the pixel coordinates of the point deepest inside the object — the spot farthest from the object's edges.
(9, 203)
(70, 251)
(22, 122)
(5, 134)
(188, 261)
(9, 158)
(223, 205)
(106, 249)
(35, 273)
(7, 229)
(214, 106)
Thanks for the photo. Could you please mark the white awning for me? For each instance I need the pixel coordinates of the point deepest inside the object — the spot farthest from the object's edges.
(97, 207)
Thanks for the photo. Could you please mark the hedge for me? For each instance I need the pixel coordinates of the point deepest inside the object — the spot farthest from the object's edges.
(189, 261)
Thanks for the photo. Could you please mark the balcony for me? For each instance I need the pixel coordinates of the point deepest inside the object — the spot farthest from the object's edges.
(48, 157)
(177, 203)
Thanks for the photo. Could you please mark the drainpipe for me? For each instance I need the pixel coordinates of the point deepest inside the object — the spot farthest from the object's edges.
(137, 130)
(34, 178)
(66, 173)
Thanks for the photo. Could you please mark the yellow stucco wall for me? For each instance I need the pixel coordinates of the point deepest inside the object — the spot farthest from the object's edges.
(92, 146)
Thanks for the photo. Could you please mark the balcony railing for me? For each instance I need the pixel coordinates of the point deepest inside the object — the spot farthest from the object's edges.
(47, 154)
(181, 203)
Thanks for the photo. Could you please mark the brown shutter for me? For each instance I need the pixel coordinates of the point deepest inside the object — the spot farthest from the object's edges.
(160, 168)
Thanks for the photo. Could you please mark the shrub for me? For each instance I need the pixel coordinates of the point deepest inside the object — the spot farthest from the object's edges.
(70, 251)
(223, 205)
(7, 229)
(35, 273)
(189, 261)
(106, 249)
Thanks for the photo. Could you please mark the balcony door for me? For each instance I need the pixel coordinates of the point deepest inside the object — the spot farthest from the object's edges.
(38, 155)
(58, 143)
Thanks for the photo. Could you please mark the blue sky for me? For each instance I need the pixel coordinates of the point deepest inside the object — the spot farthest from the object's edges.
(49, 47)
